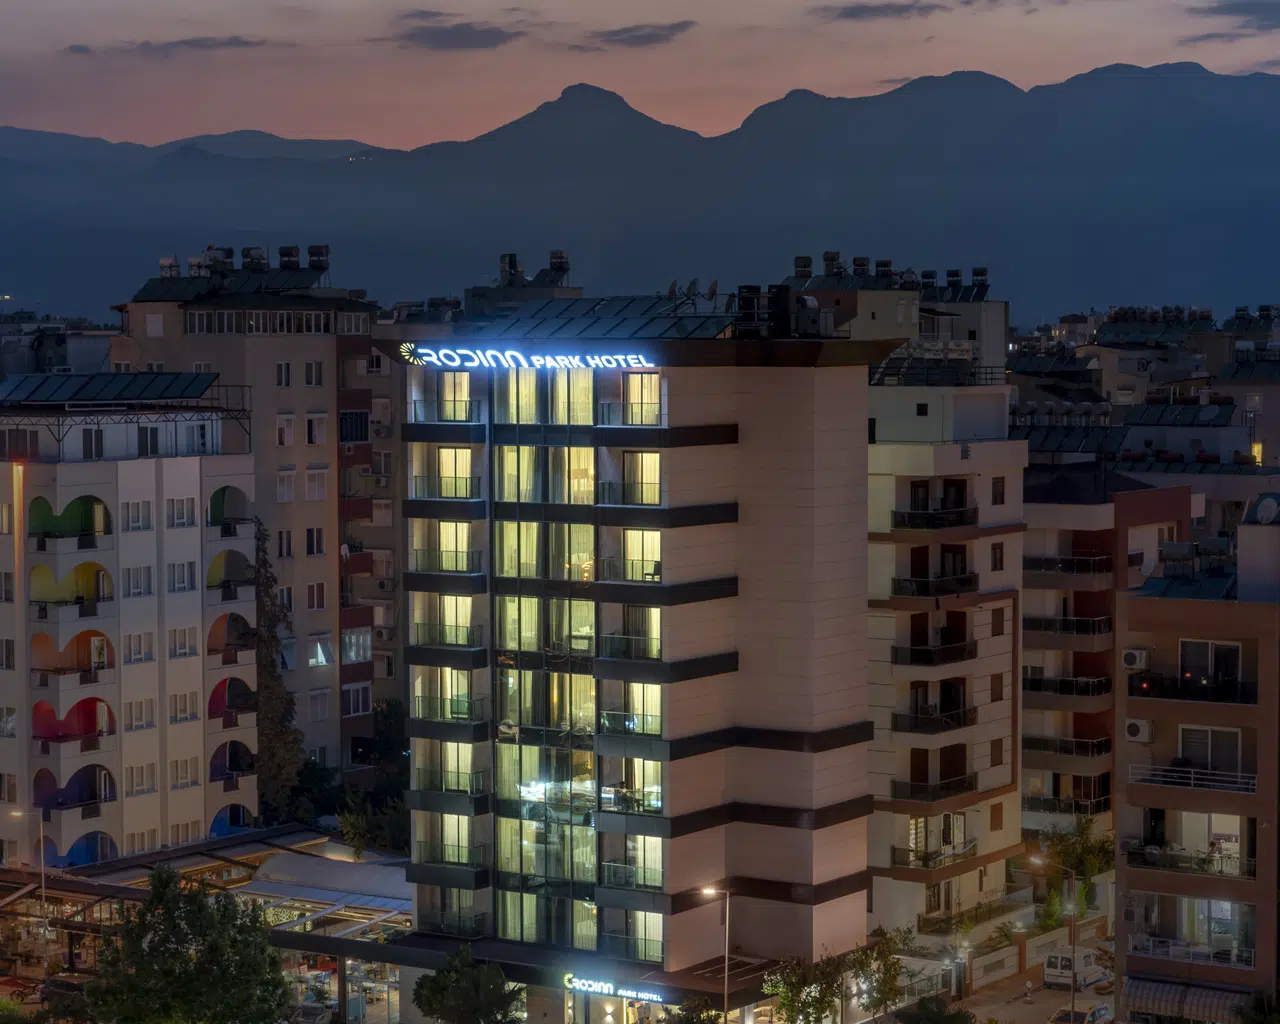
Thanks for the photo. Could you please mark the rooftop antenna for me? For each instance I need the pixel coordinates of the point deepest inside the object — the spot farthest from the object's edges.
(691, 293)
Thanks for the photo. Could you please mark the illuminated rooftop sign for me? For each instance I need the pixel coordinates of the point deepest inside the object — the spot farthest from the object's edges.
(466, 358)
(608, 988)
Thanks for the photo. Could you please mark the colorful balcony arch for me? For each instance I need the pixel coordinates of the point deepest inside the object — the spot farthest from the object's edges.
(232, 818)
(228, 567)
(228, 506)
(87, 581)
(85, 516)
(87, 719)
(91, 848)
(88, 650)
(230, 631)
(230, 760)
(231, 695)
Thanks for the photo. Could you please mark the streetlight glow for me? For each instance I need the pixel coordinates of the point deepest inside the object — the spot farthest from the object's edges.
(705, 892)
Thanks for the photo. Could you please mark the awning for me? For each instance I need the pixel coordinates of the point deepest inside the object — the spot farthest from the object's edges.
(1191, 1002)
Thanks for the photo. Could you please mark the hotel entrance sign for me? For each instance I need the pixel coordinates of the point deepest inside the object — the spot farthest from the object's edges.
(466, 358)
(608, 988)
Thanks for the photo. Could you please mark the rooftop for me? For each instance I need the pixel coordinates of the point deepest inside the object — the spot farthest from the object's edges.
(1090, 484)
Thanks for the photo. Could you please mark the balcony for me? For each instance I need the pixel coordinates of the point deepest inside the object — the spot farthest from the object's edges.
(630, 493)
(630, 876)
(946, 924)
(1063, 745)
(231, 590)
(464, 924)
(1187, 952)
(628, 570)
(940, 519)
(448, 411)
(69, 679)
(233, 781)
(60, 542)
(440, 634)
(69, 612)
(631, 414)
(928, 792)
(1067, 626)
(69, 745)
(1066, 805)
(447, 561)
(932, 722)
(632, 648)
(942, 586)
(631, 800)
(630, 947)
(230, 529)
(929, 859)
(450, 709)
(630, 723)
(1069, 566)
(444, 854)
(438, 781)
(1215, 691)
(1159, 858)
(1068, 686)
(444, 487)
(1192, 778)
(943, 654)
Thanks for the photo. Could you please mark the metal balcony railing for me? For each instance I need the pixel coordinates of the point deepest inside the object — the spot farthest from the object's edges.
(449, 709)
(1215, 691)
(939, 519)
(1068, 686)
(438, 781)
(901, 789)
(1191, 952)
(446, 561)
(945, 924)
(432, 487)
(629, 492)
(630, 876)
(1063, 745)
(439, 634)
(942, 654)
(631, 800)
(464, 924)
(1074, 565)
(934, 721)
(615, 645)
(1193, 778)
(1096, 626)
(630, 723)
(906, 858)
(1066, 805)
(628, 570)
(942, 586)
(435, 852)
(631, 414)
(1139, 855)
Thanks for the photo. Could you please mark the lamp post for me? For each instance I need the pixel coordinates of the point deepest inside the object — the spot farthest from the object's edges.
(726, 894)
(1071, 874)
(44, 903)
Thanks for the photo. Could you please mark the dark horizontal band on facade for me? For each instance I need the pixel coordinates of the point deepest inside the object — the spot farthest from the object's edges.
(578, 436)
(653, 595)
(642, 517)
(656, 749)
(805, 819)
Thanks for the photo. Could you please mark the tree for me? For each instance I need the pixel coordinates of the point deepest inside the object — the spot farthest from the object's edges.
(188, 955)
(353, 823)
(389, 750)
(936, 1010)
(280, 751)
(1262, 1009)
(808, 991)
(694, 1010)
(1085, 851)
(1051, 912)
(465, 992)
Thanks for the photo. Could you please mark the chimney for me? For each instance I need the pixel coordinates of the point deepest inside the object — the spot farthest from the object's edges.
(804, 266)
(830, 262)
(979, 275)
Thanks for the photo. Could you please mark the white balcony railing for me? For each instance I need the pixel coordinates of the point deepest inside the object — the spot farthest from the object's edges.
(1193, 778)
(1231, 955)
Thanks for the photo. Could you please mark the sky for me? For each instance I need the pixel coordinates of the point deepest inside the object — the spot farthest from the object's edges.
(394, 74)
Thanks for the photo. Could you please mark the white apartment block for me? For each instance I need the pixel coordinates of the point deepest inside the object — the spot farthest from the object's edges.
(126, 614)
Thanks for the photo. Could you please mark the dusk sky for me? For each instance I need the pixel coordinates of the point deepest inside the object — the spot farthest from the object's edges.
(389, 74)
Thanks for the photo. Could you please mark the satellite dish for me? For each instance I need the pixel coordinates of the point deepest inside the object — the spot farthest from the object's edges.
(691, 289)
(1266, 510)
(673, 289)
(730, 303)
(712, 289)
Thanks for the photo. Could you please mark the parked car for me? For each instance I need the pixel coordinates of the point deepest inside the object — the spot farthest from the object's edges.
(1097, 1014)
(1057, 969)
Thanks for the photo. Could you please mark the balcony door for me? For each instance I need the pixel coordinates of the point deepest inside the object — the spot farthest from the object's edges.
(955, 560)
(920, 562)
(919, 766)
(952, 762)
(955, 494)
(953, 834)
(919, 697)
(951, 696)
(919, 495)
(956, 631)
(920, 629)
(1210, 749)
(98, 651)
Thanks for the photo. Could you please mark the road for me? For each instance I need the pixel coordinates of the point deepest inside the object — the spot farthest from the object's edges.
(1004, 1002)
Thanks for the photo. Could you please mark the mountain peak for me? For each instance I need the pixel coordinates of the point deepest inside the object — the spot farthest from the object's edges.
(584, 94)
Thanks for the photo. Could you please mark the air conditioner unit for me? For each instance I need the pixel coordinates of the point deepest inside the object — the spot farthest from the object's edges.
(380, 431)
(382, 481)
(1135, 659)
(384, 634)
(1138, 730)
(1130, 915)
(366, 471)
(386, 585)
(348, 449)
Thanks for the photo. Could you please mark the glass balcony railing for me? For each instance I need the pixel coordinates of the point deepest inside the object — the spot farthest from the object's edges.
(939, 519)
(435, 852)
(446, 561)
(934, 721)
(1066, 686)
(630, 947)
(441, 634)
(629, 570)
(1215, 691)
(930, 791)
(943, 586)
(1063, 745)
(1229, 955)
(450, 709)
(432, 487)
(432, 780)
(630, 876)
(942, 654)
(1192, 778)
(906, 858)
(946, 924)
(630, 493)
(1074, 626)
(465, 924)
(1140, 855)
(630, 723)
(445, 411)
(1074, 566)
(1066, 805)
(631, 800)
(631, 414)
(615, 645)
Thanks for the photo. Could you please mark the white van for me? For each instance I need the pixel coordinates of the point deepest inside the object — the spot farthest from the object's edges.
(1057, 969)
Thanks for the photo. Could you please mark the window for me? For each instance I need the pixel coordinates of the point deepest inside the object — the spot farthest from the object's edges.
(381, 513)
(183, 773)
(284, 375)
(284, 431)
(997, 687)
(199, 367)
(313, 373)
(571, 400)
(91, 441)
(288, 653)
(197, 439)
(19, 444)
(357, 645)
(997, 753)
(997, 556)
(317, 484)
(1204, 663)
(285, 596)
(6, 586)
(315, 597)
(516, 395)
(357, 699)
(382, 462)
(180, 513)
(139, 714)
(139, 779)
(284, 486)
(135, 515)
(315, 540)
(121, 367)
(284, 543)
(184, 642)
(184, 707)
(317, 430)
(7, 654)
(8, 789)
(182, 577)
(922, 408)
(997, 490)
(8, 723)
(137, 581)
(320, 651)
(353, 427)
(641, 479)
(318, 755)
(573, 475)
(155, 367)
(997, 818)
(997, 622)
(146, 841)
(138, 648)
(6, 519)
(318, 705)
(185, 831)
(148, 442)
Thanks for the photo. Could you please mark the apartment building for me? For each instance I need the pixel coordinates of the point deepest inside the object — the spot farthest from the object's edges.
(945, 524)
(126, 610)
(1092, 533)
(637, 639)
(1196, 810)
(305, 350)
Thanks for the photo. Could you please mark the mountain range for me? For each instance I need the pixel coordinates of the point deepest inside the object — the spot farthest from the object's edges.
(1122, 185)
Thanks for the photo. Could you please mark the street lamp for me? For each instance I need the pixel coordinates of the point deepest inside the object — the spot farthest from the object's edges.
(709, 891)
(1046, 862)
(44, 904)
